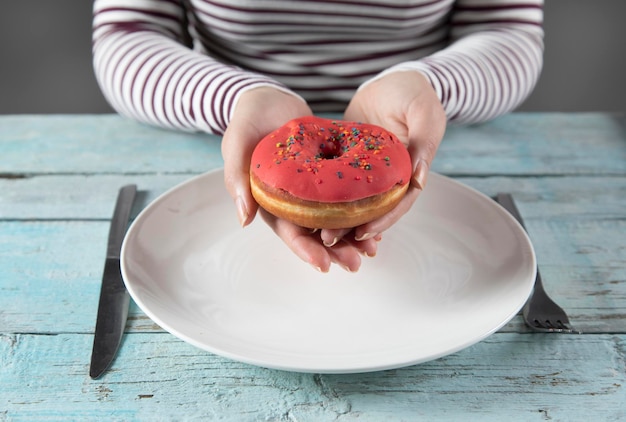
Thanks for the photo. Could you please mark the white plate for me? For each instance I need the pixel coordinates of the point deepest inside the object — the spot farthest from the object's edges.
(451, 272)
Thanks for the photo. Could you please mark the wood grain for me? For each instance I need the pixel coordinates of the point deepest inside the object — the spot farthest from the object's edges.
(59, 177)
(515, 144)
(578, 239)
(156, 377)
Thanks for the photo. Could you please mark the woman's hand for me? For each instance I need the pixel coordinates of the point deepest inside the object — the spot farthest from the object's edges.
(257, 113)
(406, 104)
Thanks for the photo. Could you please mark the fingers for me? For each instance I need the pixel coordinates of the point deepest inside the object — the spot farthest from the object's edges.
(426, 125)
(237, 170)
(411, 110)
(330, 237)
(258, 112)
(420, 174)
(309, 246)
(244, 131)
(374, 228)
(415, 114)
(345, 255)
(367, 247)
(301, 241)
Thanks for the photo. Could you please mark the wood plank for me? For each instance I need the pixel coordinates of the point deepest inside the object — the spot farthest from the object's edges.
(567, 228)
(93, 196)
(77, 196)
(84, 144)
(515, 144)
(59, 176)
(582, 262)
(531, 377)
(537, 144)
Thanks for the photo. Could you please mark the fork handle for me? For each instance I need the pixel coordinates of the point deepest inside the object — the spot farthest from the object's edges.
(506, 200)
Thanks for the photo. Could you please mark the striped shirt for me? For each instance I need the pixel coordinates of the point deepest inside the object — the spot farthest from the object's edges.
(183, 63)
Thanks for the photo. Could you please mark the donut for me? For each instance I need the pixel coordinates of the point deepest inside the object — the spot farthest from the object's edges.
(329, 174)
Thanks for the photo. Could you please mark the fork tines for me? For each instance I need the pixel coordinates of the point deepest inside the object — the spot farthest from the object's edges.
(549, 327)
(540, 312)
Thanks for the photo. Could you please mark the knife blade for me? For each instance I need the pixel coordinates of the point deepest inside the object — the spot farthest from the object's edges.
(114, 298)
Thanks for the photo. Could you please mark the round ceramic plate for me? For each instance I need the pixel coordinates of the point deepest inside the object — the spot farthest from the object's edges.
(452, 271)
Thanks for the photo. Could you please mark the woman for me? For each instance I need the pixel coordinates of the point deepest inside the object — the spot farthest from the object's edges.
(243, 68)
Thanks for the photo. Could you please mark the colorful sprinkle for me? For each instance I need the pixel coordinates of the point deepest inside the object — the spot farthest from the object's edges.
(359, 149)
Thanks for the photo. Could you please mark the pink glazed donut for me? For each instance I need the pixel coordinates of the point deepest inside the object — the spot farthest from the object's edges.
(329, 174)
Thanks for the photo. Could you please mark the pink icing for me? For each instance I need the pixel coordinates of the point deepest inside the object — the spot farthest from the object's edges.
(327, 160)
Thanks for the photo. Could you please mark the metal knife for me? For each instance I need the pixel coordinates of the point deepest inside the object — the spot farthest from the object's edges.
(114, 298)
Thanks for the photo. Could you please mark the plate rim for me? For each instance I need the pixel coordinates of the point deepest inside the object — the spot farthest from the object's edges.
(325, 369)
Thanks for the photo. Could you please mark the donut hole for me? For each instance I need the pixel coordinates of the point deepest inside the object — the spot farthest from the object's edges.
(330, 149)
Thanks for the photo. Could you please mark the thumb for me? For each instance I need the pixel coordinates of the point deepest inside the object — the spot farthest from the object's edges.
(425, 130)
(237, 146)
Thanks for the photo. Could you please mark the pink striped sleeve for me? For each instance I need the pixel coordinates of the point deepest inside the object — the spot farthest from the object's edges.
(493, 61)
(148, 70)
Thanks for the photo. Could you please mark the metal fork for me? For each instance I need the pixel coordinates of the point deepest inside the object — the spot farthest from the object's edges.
(540, 312)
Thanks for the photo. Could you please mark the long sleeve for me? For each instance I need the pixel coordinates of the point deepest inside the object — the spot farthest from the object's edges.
(148, 70)
(184, 63)
(493, 61)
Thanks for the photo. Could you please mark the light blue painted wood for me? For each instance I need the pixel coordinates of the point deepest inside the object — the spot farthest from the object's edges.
(55, 268)
(537, 144)
(157, 377)
(578, 240)
(78, 196)
(100, 144)
(59, 176)
(515, 144)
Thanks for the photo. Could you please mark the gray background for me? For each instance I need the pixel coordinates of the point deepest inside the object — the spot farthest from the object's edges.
(45, 58)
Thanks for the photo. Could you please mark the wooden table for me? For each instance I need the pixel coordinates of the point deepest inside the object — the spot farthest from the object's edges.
(59, 177)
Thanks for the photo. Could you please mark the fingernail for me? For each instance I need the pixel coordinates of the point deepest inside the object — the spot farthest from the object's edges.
(242, 211)
(345, 267)
(319, 269)
(332, 243)
(420, 175)
(364, 236)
